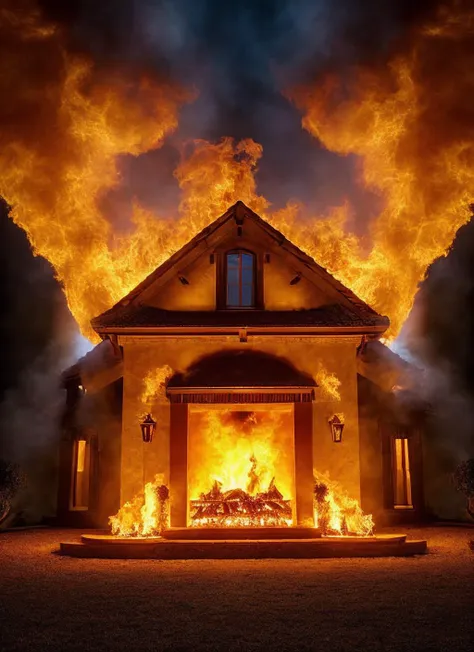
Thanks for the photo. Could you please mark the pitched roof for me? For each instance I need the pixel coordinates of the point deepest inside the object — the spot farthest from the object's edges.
(352, 312)
(97, 368)
(333, 316)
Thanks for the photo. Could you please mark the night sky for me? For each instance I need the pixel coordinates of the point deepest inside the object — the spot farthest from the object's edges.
(241, 57)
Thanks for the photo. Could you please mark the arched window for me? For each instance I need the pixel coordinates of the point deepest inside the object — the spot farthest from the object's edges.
(240, 279)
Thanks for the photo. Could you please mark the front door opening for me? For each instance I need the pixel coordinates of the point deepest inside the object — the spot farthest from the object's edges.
(241, 466)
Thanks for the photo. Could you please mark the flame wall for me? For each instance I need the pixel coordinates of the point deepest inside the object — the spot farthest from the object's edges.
(223, 441)
(394, 109)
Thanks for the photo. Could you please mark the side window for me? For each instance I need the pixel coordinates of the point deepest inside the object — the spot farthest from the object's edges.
(401, 475)
(81, 471)
(240, 279)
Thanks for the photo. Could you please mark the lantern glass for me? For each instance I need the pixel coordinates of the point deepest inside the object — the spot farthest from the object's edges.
(336, 429)
(148, 426)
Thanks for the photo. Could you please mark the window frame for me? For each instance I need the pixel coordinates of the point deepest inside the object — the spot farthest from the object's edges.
(240, 285)
(405, 470)
(80, 477)
(222, 278)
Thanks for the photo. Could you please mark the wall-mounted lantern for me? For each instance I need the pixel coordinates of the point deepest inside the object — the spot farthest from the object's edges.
(148, 425)
(337, 426)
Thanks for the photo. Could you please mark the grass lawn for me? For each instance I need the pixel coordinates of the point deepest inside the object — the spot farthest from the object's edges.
(48, 602)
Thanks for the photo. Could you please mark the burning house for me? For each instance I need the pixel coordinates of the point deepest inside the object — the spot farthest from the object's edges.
(247, 384)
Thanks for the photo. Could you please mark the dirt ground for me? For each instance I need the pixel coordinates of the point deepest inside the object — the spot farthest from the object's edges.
(48, 602)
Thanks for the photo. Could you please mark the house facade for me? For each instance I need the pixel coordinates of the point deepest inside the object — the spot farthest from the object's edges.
(242, 348)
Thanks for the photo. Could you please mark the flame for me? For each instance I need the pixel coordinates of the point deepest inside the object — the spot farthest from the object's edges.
(154, 385)
(144, 516)
(336, 513)
(65, 126)
(329, 383)
(242, 458)
(400, 121)
(57, 169)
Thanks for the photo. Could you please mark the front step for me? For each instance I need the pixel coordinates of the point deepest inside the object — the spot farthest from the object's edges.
(240, 533)
(121, 548)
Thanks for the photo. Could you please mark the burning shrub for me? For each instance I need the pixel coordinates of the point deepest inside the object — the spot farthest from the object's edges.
(464, 482)
(12, 479)
(335, 514)
(147, 515)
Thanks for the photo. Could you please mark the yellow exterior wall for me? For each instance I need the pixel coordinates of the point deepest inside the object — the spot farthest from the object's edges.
(200, 294)
(317, 356)
(280, 295)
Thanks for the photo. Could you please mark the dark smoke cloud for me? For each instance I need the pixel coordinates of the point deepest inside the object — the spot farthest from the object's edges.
(439, 336)
(444, 327)
(241, 57)
(36, 335)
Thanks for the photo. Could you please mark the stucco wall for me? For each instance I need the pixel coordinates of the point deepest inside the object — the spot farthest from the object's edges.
(280, 295)
(316, 356)
(200, 294)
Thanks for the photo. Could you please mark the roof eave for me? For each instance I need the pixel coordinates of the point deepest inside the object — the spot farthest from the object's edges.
(204, 331)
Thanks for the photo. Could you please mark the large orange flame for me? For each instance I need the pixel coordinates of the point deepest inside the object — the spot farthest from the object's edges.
(146, 515)
(416, 148)
(241, 467)
(335, 513)
(64, 126)
(55, 169)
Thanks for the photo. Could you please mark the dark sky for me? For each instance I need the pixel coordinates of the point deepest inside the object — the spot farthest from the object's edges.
(241, 57)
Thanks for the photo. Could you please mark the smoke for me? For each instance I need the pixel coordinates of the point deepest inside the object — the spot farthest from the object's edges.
(241, 57)
(438, 337)
(37, 341)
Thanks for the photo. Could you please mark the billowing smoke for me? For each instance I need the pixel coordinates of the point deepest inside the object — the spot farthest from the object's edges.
(438, 336)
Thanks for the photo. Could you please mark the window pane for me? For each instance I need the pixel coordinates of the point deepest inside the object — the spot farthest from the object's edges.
(233, 276)
(232, 260)
(402, 479)
(80, 488)
(240, 280)
(247, 275)
(247, 260)
(233, 295)
(247, 295)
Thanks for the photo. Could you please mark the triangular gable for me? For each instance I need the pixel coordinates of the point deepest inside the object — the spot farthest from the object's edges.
(203, 242)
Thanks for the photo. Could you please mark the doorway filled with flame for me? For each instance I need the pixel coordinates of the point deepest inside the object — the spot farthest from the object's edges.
(241, 473)
(241, 467)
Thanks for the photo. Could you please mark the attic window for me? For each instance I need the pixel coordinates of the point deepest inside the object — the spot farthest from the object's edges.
(240, 279)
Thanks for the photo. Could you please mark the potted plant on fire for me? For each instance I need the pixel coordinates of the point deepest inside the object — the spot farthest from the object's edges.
(464, 482)
(11, 481)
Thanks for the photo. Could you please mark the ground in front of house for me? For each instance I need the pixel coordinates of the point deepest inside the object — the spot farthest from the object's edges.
(48, 602)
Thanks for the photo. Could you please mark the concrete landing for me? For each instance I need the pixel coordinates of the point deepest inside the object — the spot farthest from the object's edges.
(239, 533)
(108, 547)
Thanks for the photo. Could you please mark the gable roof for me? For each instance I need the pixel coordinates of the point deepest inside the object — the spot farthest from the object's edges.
(351, 312)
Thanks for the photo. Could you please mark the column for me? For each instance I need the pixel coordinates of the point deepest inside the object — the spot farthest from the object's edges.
(304, 481)
(179, 464)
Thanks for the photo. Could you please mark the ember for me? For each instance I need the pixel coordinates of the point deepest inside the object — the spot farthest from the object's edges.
(236, 507)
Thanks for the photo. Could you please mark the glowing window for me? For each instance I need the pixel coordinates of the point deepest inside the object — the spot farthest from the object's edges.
(240, 279)
(80, 488)
(401, 474)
